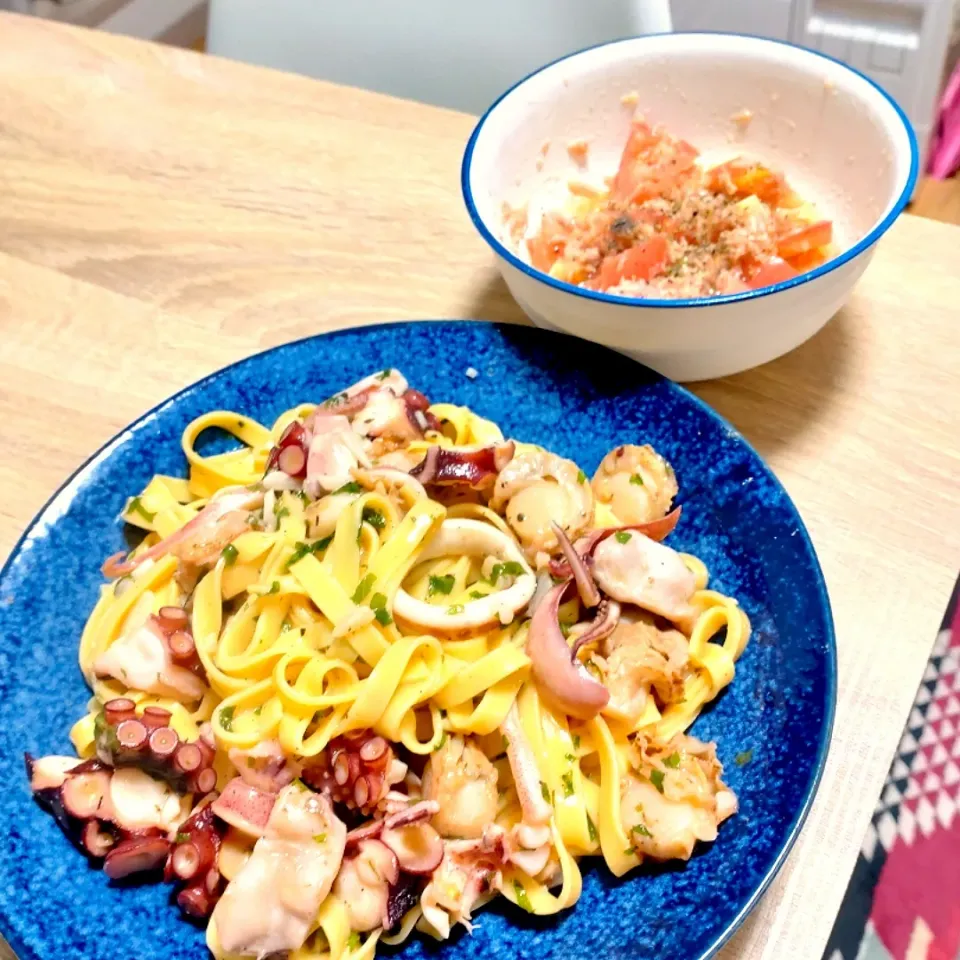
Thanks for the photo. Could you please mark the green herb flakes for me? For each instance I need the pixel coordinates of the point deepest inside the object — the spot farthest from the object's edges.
(673, 761)
(506, 742)
(229, 554)
(581, 477)
(509, 569)
(442, 584)
(642, 830)
(363, 588)
(576, 741)
(136, 506)
(351, 487)
(302, 549)
(284, 511)
(378, 604)
(353, 941)
(523, 901)
(742, 759)
(545, 790)
(621, 536)
(570, 758)
(383, 374)
(374, 517)
(656, 778)
(182, 837)
(476, 595)
(567, 781)
(592, 830)
(636, 480)
(274, 587)
(454, 609)
(226, 717)
(319, 838)
(443, 740)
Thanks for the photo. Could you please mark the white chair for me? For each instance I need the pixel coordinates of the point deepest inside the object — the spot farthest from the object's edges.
(446, 52)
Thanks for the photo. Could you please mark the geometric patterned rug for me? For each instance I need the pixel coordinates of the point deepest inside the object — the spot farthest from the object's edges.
(903, 901)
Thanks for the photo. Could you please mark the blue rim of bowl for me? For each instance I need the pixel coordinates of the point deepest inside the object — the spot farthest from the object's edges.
(826, 733)
(864, 244)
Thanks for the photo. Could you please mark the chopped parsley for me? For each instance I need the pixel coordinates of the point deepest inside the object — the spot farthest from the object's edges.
(509, 569)
(506, 742)
(656, 778)
(567, 781)
(274, 587)
(630, 852)
(374, 517)
(621, 536)
(351, 487)
(545, 790)
(353, 941)
(742, 759)
(442, 584)
(642, 830)
(454, 609)
(284, 511)
(569, 757)
(182, 837)
(136, 506)
(319, 838)
(565, 628)
(636, 480)
(363, 588)
(476, 595)
(523, 900)
(383, 374)
(673, 761)
(581, 477)
(302, 549)
(226, 717)
(443, 740)
(591, 829)
(229, 554)
(576, 741)
(378, 604)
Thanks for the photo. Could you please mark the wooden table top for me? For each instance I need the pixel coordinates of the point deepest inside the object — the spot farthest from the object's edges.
(163, 213)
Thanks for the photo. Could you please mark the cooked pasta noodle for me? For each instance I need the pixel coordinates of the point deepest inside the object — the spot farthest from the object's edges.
(360, 660)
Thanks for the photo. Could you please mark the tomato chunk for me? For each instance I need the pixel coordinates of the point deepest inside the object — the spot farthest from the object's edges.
(771, 272)
(640, 262)
(806, 238)
(651, 164)
(550, 242)
(740, 178)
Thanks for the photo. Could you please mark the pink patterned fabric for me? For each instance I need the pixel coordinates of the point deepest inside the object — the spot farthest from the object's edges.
(944, 160)
(903, 902)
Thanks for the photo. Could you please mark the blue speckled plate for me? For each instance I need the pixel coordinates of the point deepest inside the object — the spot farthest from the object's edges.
(575, 398)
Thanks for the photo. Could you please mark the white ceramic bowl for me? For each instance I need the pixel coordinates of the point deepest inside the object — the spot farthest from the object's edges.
(843, 143)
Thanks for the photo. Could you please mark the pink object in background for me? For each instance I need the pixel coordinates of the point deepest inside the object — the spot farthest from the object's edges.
(945, 150)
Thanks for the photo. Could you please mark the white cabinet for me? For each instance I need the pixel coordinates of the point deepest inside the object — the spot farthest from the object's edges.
(901, 44)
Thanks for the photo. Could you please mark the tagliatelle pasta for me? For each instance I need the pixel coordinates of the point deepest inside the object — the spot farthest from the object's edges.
(377, 665)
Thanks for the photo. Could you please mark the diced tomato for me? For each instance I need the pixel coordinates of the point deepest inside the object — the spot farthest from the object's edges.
(550, 242)
(741, 178)
(640, 262)
(652, 163)
(773, 271)
(805, 239)
(803, 262)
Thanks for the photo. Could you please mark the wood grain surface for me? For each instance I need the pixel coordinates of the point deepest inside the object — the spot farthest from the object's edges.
(163, 213)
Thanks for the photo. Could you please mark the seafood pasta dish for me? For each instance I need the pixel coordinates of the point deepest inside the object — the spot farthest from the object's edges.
(379, 665)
